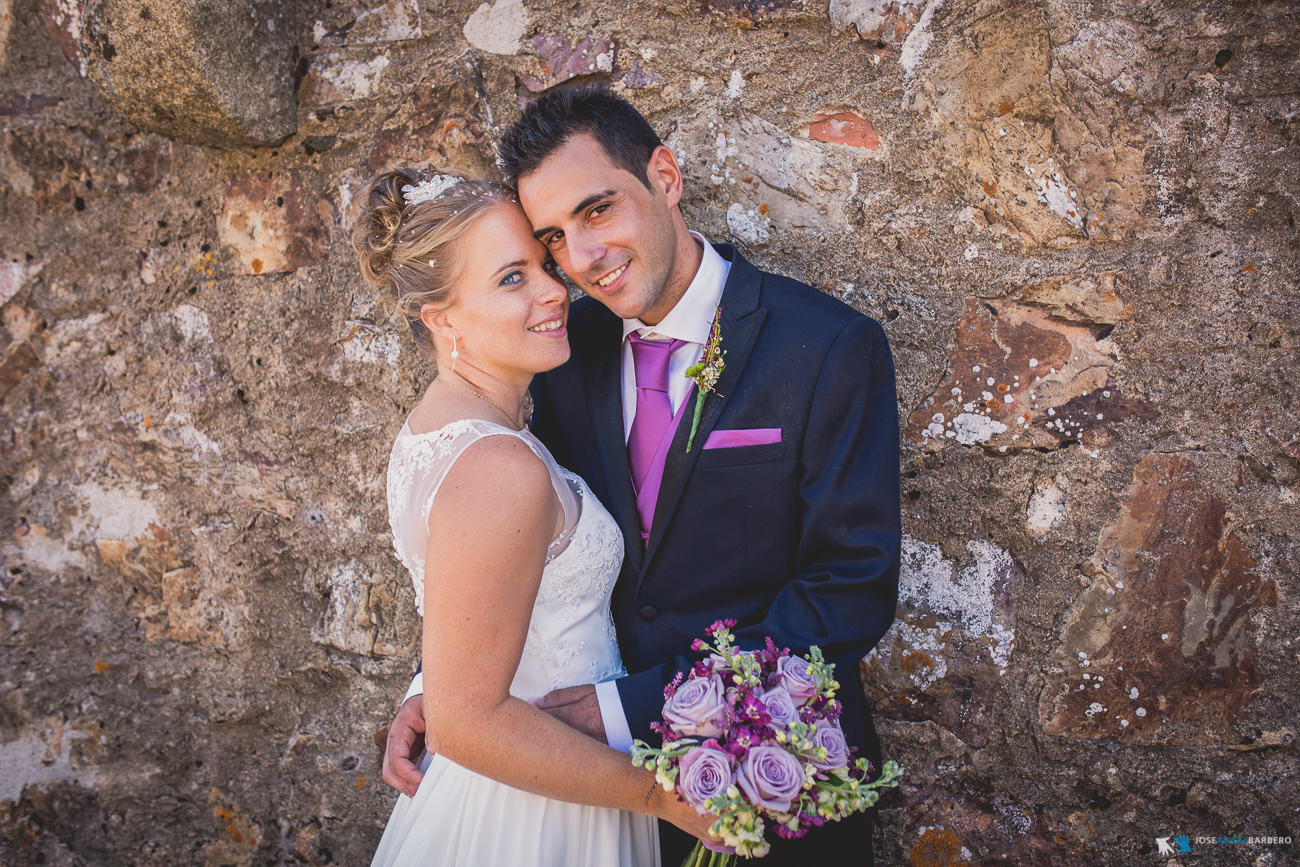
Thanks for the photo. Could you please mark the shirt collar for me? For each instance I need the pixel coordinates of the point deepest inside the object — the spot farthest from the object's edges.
(692, 316)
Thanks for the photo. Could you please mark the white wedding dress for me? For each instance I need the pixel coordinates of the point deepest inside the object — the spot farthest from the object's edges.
(458, 817)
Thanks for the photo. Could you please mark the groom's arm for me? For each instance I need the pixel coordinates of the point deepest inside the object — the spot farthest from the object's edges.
(843, 596)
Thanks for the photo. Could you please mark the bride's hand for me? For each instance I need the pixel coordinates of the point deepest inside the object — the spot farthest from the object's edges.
(668, 808)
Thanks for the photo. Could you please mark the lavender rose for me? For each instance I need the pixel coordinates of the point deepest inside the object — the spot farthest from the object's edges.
(770, 777)
(793, 674)
(780, 707)
(699, 707)
(703, 773)
(831, 736)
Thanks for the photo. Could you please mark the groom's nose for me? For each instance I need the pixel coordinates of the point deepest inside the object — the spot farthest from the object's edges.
(585, 252)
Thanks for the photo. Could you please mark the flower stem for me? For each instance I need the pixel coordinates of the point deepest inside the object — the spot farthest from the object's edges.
(716, 859)
(695, 420)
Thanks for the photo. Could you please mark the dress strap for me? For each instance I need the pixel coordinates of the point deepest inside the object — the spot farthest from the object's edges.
(419, 464)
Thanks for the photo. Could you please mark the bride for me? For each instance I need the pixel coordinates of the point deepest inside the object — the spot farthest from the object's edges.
(512, 558)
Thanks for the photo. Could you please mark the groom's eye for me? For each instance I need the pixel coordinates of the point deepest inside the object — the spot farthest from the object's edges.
(553, 239)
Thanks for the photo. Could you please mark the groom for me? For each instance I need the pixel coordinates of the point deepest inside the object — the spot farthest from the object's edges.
(783, 515)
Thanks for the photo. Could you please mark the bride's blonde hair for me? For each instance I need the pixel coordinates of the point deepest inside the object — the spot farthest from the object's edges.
(406, 240)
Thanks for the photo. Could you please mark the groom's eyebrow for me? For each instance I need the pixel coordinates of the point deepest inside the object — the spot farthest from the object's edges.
(577, 209)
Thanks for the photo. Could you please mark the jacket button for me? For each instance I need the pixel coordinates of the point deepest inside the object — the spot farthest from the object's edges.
(648, 613)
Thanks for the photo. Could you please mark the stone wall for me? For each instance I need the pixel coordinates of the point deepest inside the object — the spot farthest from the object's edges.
(1075, 218)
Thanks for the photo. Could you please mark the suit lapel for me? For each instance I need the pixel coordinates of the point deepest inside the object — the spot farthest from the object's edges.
(742, 319)
(605, 386)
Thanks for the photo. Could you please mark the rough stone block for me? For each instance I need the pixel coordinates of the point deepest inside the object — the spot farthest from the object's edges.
(368, 22)
(5, 21)
(334, 79)
(846, 128)
(62, 20)
(887, 21)
(499, 27)
(274, 226)
(562, 59)
(951, 640)
(14, 276)
(16, 362)
(259, 482)
(1157, 649)
(1020, 379)
(25, 105)
(1081, 299)
(208, 72)
(443, 125)
(44, 163)
(771, 180)
(347, 623)
(636, 78)
(1020, 182)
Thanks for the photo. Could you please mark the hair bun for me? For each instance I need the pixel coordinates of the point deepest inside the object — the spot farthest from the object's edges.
(375, 236)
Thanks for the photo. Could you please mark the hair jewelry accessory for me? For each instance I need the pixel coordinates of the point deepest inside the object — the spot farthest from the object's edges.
(427, 191)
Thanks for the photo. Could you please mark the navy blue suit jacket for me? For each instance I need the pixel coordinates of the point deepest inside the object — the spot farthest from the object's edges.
(798, 540)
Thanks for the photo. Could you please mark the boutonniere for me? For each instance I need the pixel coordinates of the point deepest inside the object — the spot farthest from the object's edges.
(705, 374)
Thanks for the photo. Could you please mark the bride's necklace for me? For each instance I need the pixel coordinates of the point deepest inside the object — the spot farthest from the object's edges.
(516, 425)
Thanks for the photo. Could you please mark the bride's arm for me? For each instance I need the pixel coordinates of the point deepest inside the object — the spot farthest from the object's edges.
(490, 525)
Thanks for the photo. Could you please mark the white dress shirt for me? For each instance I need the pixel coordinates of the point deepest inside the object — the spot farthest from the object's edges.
(690, 321)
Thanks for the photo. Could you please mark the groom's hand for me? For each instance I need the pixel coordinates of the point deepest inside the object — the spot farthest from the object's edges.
(405, 747)
(576, 707)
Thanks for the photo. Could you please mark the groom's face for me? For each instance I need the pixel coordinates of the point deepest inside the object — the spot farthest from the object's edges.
(612, 235)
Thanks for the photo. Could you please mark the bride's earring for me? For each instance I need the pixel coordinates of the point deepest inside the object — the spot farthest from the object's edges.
(455, 353)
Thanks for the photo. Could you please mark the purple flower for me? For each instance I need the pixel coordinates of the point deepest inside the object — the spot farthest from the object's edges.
(748, 707)
(699, 707)
(742, 738)
(780, 707)
(793, 674)
(703, 773)
(831, 736)
(717, 625)
(771, 778)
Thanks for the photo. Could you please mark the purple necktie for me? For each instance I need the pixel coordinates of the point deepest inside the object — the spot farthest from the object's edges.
(654, 411)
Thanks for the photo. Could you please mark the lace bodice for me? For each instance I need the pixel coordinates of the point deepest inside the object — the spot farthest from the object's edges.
(571, 637)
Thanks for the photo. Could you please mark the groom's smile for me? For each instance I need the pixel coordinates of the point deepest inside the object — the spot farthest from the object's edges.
(609, 283)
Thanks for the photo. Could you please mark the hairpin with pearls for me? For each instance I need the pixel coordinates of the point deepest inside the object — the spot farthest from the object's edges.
(427, 191)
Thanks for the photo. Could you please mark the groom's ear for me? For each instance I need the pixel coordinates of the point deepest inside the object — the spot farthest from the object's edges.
(665, 175)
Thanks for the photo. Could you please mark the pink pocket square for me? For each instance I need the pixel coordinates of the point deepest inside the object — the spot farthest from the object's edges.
(728, 439)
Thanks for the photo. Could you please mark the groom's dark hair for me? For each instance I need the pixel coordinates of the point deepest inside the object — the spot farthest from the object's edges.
(558, 115)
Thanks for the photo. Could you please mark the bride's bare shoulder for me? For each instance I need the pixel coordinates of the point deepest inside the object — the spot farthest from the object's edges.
(499, 479)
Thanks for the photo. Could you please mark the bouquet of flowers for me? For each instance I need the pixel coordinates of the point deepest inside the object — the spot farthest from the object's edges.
(753, 737)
